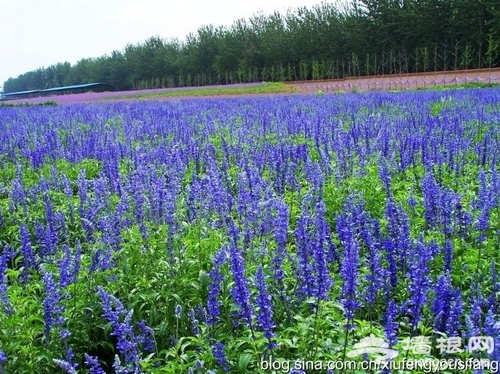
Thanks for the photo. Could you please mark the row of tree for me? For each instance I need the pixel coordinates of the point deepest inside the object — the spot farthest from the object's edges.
(365, 37)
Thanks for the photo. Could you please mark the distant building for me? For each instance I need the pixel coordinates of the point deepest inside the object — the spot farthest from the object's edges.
(79, 88)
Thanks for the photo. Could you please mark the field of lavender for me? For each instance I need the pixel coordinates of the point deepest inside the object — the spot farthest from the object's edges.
(215, 235)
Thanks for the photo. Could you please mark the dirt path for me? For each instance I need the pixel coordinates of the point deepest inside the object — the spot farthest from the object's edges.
(400, 81)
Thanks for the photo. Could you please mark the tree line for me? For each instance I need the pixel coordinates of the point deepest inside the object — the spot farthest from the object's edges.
(330, 40)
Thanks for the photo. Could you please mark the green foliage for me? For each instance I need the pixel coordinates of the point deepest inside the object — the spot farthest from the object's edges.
(461, 86)
(27, 104)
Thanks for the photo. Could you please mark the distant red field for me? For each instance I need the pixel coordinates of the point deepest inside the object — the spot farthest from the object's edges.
(401, 81)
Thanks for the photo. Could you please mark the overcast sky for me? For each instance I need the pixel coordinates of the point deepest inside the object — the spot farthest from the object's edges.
(40, 33)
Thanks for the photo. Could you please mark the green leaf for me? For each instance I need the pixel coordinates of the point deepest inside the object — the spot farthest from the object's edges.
(203, 278)
(243, 362)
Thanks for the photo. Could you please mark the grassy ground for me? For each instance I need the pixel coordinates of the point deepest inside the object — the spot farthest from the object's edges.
(265, 88)
(459, 86)
(44, 103)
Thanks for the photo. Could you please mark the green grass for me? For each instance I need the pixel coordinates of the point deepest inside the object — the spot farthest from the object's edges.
(43, 103)
(264, 88)
(461, 86)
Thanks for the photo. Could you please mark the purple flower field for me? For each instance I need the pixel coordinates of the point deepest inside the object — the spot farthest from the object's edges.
(242, 234)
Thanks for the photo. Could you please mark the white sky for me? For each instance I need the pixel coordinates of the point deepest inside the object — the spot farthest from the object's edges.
(40, 33)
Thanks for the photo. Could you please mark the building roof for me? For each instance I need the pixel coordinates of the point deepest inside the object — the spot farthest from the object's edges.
(55, 89)
(20, 93)
(74, 87)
